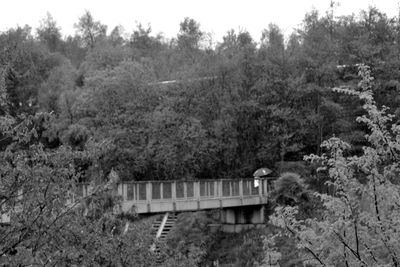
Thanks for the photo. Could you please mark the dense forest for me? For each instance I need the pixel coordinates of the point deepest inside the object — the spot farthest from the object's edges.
(188, 107)
(230, 107)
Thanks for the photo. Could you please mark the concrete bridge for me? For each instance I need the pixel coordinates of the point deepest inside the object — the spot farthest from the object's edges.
(176, 196)
(239, 200)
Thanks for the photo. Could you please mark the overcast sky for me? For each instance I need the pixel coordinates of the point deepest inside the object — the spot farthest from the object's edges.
(215, 16)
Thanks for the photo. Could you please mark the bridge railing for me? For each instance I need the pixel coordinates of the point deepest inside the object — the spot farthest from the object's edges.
(200, 189)
(160, 196)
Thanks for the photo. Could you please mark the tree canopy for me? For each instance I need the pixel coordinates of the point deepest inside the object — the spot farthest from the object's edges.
(73, 108)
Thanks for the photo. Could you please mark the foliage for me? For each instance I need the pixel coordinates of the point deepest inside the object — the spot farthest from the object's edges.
(224, 111)
(49, 33)
(189, 241)
(289, 190)
(237, 249)
(48, 225)
(90, 30)
(185, 108)
(361, 217)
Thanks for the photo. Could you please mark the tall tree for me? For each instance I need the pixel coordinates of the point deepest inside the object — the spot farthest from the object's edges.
(49, 33)
(189, 34)
(90, 30)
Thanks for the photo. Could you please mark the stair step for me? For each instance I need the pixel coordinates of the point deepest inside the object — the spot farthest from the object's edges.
(169, 223)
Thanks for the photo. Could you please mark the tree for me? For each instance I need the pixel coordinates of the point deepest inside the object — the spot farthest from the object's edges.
(50, 227)
(50, 222)
(189, 38)
(360, 221)
(189, 34)
(60, 80)
(289, 190)
(273, 44)
(49, 33)
(26, 64)
(90, 30)
(116, 37)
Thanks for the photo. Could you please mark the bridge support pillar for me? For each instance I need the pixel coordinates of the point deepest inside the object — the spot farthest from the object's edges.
(243, 215)
(237, 219)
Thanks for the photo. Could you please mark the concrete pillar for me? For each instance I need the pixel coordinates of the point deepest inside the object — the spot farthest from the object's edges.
(257, 216)
(240, 216)
(228, 216)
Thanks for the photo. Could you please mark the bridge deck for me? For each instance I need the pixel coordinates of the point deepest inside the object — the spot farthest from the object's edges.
(164, 196)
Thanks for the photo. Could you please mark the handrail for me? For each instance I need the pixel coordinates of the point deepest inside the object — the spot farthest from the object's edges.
(197, 180)
(162, 225)
(169, 191)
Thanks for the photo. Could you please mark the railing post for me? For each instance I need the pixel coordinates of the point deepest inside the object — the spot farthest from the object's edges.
(196, 192)
(120, 190)
(260, 185)
(219, 188)
(125, 191)
(148, 195)
(265, 183)
(148, 191)
(196, 189)
(173, 195)
(241, 188)
(173, 190)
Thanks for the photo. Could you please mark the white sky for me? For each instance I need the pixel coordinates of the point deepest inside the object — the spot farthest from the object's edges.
(215, 16)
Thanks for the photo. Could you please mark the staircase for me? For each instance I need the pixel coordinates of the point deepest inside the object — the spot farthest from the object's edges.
(160, 228)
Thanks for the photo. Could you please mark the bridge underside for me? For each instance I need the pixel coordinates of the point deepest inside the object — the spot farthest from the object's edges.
(192, 204)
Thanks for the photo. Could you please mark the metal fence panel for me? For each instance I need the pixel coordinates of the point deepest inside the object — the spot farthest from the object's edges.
(246, 187)
(254, 189)
(235, 188)
(189, 190)
(142, 191)
(226, 188)
(156, 190)
(203, 188)
(130, 195)
(167, 190)
(180, 190)
(211, 188)
(264, 187)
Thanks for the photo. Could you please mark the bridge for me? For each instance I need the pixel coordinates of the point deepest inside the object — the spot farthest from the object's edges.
(240, 201)
(179, 196)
